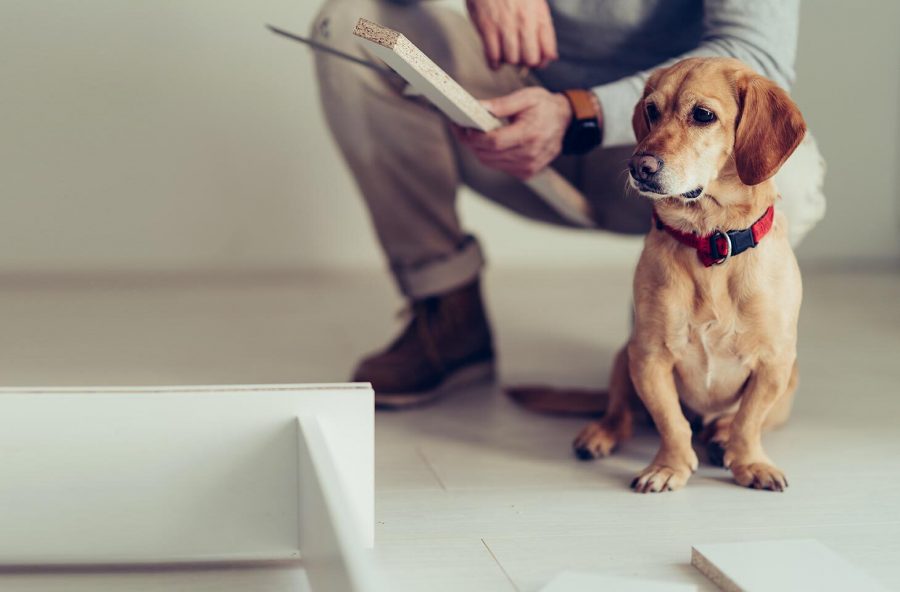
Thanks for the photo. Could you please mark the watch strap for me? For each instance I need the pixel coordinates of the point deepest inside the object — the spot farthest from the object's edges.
(585, 131)
(584, 103)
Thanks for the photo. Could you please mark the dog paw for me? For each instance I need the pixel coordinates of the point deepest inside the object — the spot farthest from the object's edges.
(594, 441)
(657, 478)
(759, 476)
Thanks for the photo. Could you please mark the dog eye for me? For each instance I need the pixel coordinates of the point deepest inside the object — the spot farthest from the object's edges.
(652, 112)
(702, 115)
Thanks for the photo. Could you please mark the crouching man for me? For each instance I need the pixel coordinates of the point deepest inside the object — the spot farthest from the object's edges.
(567, 74)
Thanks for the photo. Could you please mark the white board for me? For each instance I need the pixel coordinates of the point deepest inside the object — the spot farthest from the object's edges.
(429, 80)
(332, 556)
(780, 566)
(171, 475)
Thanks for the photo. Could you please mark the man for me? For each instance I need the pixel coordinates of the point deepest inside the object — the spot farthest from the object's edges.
(592, 56)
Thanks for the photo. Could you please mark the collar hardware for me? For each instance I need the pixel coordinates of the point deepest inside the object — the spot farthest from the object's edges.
(720, 246)
(714, 247)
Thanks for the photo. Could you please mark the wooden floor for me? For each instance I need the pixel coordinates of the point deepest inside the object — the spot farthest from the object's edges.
(473, 493)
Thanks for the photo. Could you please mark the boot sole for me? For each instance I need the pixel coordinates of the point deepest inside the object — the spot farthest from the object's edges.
(471, 375)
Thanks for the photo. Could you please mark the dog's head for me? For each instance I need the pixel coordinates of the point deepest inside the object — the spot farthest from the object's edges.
(704, 120)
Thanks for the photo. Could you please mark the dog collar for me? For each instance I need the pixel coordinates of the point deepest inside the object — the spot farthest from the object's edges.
(718, 247)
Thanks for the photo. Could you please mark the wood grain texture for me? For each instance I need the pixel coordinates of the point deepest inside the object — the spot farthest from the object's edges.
(430, 80)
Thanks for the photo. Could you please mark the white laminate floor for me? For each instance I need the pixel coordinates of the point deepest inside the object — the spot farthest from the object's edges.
(473, 493)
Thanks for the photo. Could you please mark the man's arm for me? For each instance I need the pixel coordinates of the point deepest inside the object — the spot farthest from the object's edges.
(761, 33)
(516, 32)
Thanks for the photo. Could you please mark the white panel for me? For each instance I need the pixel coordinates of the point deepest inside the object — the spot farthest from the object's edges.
(428, 79)
(332, 555)
(189, 474)
(780, 566)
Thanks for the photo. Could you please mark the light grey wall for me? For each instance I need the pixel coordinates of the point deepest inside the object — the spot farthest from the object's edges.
(849, 90)
(180, 135)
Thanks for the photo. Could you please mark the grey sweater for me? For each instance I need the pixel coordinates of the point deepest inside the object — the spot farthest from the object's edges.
(613, 45)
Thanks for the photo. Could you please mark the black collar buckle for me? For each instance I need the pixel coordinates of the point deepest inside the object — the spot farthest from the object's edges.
(737, 242)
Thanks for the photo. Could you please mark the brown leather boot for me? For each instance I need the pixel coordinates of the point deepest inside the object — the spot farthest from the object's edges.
(446, 345)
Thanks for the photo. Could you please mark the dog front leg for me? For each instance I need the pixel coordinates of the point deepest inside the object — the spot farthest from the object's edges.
(744, 453)
(600, 438)
(654, 380)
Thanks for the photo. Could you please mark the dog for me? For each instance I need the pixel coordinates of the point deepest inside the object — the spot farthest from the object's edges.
(717, 289)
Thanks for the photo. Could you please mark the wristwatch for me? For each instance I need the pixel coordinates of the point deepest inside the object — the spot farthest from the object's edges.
(585, 132)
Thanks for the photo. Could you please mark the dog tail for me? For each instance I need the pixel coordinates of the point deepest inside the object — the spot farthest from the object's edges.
(549, 400)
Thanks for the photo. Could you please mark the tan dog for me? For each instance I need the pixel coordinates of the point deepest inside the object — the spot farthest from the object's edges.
(715, 328)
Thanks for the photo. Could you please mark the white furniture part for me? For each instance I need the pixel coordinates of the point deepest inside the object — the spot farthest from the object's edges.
(780, 566)
(207, 475)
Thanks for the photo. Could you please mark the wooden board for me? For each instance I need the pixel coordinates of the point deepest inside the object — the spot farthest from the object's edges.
(780, 566)
(429, 80)
(333, 557)
(172, 475)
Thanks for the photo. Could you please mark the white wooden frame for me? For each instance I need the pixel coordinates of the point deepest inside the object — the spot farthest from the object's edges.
(329, 545)
(190, 475)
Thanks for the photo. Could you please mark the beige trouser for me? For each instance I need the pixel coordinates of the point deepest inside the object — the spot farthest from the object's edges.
(409, 167)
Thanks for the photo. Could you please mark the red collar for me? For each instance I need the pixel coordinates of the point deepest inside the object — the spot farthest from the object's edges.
(718, 247)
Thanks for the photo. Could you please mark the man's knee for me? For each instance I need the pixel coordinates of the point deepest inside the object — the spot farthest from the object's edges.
(423, 23)
(346, 89)
(800, 182)
(442, 33)
(334, 23)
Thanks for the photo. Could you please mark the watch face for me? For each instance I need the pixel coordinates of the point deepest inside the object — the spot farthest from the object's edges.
(582, 137)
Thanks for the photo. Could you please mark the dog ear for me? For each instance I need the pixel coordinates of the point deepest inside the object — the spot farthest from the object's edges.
(639, 121)
(769, 129)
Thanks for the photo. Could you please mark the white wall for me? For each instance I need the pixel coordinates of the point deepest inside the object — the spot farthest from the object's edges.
(849, 89)
(180, 135)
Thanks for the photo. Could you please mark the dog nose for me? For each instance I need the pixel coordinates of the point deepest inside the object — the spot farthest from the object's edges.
(644, 166)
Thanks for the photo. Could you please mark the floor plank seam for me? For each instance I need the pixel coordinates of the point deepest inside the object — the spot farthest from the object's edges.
(430, 467)
(500, 565)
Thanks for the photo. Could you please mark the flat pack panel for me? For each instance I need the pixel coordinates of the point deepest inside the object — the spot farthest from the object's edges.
(429, 80)
(170, 475)
(333, 558)
(780, 566)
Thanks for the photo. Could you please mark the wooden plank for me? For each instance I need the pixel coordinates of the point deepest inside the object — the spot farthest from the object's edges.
(779, 566)
(170, 475)
(333, 557)
(429, 80)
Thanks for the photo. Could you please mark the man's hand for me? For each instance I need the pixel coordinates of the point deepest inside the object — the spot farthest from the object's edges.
(517, 32)
(531, 141)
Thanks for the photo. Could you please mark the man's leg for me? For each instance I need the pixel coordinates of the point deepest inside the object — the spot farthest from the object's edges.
(602, 175)
(408, 169)
(800, 184)
(401, 152)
